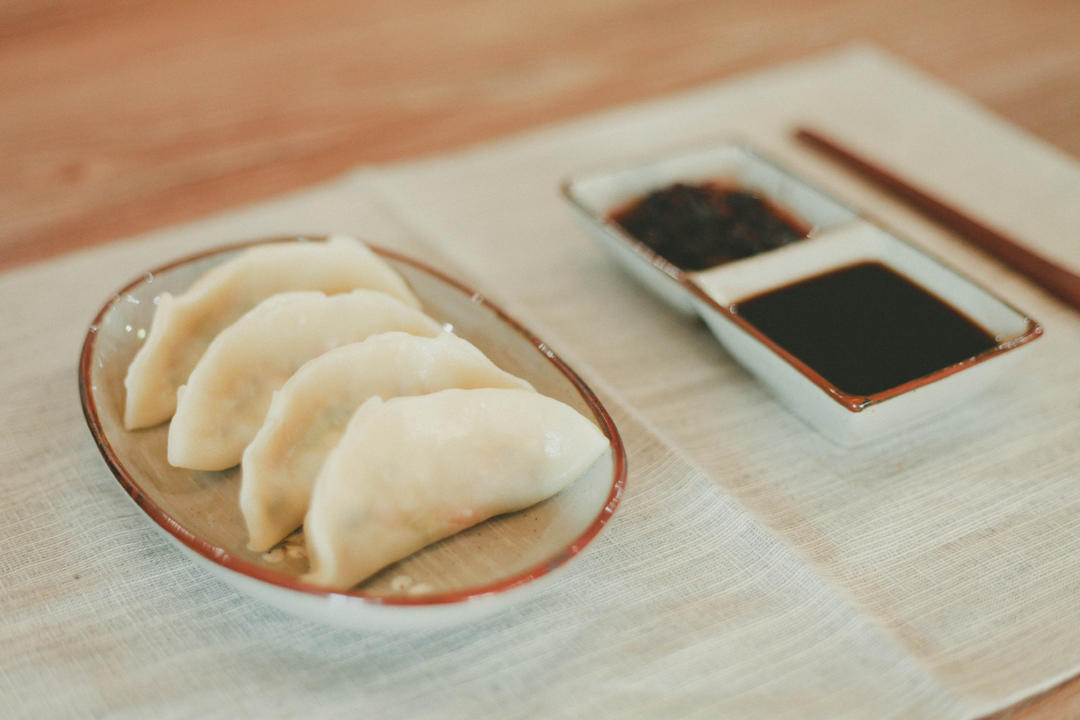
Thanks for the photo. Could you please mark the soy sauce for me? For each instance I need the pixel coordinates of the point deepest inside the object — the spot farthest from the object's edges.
(865, 328)
(699, 226)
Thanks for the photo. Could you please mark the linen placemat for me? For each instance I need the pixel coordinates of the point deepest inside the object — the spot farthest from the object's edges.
(753, 570)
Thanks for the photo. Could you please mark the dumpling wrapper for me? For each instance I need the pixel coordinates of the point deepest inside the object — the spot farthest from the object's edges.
(309, 413)
(226, 398)
(184, 325)
(412, 470)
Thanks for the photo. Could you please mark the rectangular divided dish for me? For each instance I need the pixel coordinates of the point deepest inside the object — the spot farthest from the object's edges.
(838, 238)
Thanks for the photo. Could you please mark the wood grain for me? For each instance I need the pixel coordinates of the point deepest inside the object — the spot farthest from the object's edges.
(123, 115)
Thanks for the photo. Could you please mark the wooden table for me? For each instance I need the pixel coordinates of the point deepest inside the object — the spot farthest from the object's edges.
(123, 115)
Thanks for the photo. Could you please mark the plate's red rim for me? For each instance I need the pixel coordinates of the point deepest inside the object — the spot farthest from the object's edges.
(220, 556)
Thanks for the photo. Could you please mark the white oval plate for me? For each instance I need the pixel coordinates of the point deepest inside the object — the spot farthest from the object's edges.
(482, 570)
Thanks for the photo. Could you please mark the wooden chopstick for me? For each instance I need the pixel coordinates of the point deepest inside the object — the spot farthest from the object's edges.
(1055, 279)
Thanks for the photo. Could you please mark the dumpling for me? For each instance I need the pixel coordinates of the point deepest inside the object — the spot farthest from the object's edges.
(184, 325)
(308, 415)
(412, 470)
(226, 398)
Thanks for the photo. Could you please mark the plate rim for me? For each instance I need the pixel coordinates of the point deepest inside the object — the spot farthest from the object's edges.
(222, 557)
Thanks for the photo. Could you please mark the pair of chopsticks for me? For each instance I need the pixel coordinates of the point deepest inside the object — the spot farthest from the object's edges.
(1055, 279)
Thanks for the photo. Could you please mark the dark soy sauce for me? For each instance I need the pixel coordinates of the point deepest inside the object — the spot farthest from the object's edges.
(699, 226)
(864, 328)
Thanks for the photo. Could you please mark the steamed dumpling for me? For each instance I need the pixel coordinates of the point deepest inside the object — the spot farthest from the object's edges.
(308, 415)
(184, 325)
(226, 398)
(412, 470)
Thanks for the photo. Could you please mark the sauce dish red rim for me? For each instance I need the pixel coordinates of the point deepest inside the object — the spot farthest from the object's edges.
(853, 403)
(220, 556)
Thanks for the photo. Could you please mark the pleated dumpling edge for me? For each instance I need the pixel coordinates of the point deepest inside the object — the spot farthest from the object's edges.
(413, 470)
(225, 400)
(184, 325)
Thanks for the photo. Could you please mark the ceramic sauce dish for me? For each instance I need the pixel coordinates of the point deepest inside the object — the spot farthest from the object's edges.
(839, 355)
